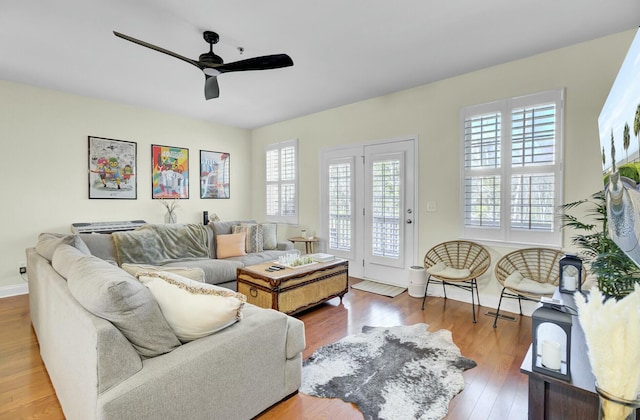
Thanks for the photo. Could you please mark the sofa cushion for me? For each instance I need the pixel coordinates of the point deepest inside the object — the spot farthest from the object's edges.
(110, 293)
(48, 242)
(253, 240)
(231, 245)
(215, 271)
(64, 257)
(261, 257)
(269, 236)
(193, 273)
(192, 309)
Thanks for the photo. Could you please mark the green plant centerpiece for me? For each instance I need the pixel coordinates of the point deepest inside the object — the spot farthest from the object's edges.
(293, 260)
(615, 272)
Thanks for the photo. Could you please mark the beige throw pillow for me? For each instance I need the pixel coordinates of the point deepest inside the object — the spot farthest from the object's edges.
(231, 245)
(192, 309)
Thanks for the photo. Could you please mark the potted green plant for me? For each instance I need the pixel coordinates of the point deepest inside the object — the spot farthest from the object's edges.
(615, 272)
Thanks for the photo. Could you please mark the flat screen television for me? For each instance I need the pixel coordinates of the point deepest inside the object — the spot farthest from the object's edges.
(619, 126)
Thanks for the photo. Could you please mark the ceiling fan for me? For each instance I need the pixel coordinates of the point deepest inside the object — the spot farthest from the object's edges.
(212, 65)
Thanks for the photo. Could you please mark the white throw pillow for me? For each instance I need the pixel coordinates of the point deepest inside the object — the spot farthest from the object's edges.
(193, 273)
(192, 309)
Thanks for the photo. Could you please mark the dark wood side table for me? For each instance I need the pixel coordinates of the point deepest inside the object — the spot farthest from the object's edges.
(308, 243)
(551, 398)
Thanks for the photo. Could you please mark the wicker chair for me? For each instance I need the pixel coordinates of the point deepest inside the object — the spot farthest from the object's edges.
(457, 255)
(538, 264)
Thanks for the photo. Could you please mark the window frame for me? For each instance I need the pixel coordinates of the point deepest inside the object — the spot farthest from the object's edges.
(504, 234)
(281, 218)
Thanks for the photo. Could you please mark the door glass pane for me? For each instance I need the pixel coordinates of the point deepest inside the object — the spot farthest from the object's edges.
(386, 208)
(340, 206)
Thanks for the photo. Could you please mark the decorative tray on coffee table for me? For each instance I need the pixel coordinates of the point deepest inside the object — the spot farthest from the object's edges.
(295, 261)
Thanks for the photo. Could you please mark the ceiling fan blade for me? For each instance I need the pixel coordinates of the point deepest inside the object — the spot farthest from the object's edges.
(266, 62)
(156, 48)
(211, 89)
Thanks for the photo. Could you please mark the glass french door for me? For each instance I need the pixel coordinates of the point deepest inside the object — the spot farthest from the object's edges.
(367, 208)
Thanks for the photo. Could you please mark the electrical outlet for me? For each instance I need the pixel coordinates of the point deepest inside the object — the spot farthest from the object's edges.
(23, 270)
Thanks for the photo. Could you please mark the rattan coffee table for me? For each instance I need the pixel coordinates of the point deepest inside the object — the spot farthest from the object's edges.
(293, 289)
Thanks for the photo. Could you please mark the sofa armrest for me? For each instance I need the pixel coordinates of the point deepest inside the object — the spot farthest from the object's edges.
(295, 337)
(285, 246)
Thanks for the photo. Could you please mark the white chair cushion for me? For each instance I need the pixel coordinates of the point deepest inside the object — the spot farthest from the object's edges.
(442, 270)
(520, 283)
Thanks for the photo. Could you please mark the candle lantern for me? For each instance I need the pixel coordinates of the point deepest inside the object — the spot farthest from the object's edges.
(551, 349)
(570, 273)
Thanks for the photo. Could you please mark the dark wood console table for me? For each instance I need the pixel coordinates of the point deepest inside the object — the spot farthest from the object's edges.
(551, 398)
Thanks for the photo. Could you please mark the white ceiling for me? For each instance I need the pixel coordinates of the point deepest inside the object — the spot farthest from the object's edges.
(344, 50)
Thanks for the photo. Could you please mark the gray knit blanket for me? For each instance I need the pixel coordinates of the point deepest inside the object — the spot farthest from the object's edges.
(160, 244)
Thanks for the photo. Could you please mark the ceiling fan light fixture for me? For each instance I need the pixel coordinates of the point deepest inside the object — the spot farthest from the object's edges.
(209, 71)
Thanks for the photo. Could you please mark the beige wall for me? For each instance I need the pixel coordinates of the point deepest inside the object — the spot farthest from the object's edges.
(432, 113)
(43, 134)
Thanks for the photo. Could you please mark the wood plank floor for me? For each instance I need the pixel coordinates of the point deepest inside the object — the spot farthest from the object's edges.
(495, 389)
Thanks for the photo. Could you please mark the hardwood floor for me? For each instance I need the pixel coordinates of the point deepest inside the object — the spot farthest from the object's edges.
(495, 389)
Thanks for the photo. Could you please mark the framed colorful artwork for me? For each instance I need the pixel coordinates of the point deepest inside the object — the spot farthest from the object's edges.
(112, 168)
(170, 172)
(214, 174)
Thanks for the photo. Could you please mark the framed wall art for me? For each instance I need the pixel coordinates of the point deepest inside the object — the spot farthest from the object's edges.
(112, 168)
(214, 174)
(170, 172)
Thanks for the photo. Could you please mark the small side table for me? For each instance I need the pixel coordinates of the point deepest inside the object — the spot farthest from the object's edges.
(308, 243)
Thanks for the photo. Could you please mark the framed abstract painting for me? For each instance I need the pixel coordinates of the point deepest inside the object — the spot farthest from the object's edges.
(112, 168)
(214, 174)
(170, 172)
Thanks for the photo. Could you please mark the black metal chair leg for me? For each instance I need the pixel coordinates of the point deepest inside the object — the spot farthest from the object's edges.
(473, 303)
(520, 304)
(495, 320)
(425, 292)
(475, 283)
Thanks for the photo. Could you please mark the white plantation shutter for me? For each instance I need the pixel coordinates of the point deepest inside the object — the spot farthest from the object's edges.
(340, 186)
(281, 182)
(512, 169)
(482, 154)
(385, 207)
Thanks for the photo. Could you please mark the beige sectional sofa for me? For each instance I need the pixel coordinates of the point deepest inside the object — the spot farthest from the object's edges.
(109, 361)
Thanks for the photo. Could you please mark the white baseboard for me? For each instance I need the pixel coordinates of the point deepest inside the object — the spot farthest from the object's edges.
(14, 290)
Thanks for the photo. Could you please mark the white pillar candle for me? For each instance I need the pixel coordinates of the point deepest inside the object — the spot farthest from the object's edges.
(569, 283)
(551, 354)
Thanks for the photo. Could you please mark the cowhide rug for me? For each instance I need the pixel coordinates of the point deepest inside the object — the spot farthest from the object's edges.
(403, 372)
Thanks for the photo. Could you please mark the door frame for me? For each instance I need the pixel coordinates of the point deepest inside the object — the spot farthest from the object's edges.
(356, 261)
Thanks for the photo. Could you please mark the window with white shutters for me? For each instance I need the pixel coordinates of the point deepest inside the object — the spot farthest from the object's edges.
(281, 182)
(512, 169)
